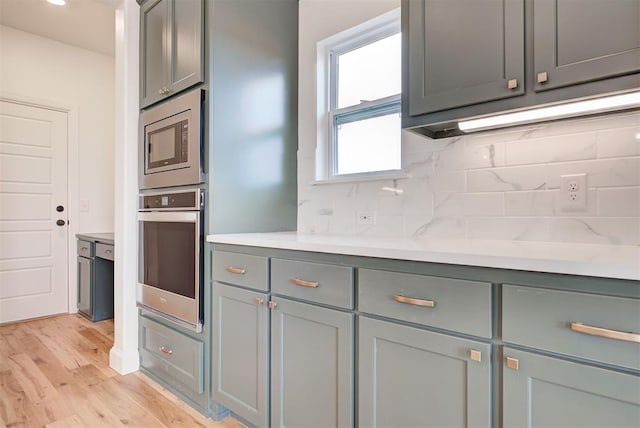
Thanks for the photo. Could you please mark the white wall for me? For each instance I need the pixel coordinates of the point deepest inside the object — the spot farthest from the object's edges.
(495, 185)
(44, 69)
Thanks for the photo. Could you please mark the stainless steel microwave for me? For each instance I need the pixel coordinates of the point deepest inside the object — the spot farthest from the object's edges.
(171, 142)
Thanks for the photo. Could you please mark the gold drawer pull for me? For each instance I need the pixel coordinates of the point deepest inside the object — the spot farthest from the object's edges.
(165, 350)
(303, 283)
(411, 301)
(235, 270)
(604, 332)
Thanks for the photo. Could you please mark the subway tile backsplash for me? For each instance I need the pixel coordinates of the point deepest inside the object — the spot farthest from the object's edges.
(500, 185)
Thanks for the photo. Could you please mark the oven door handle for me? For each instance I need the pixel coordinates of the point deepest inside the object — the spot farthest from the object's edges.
(174, 216)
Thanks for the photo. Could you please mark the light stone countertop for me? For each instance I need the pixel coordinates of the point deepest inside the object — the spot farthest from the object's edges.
(607, 261)
(104, 238)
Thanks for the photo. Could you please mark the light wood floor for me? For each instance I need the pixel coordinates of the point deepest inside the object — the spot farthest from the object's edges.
(54, 372)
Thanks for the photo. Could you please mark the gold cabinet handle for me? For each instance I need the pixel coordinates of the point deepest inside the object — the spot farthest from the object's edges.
(259, 301)
(164, 91)
(512, 363)
(83, 248)
(164, 350)
(475, 355)
(272, 305)
(108, 251)
(238, 271)
(512, 84)
(605, 332)
(412, 301)
(542, 77)
(303, 283)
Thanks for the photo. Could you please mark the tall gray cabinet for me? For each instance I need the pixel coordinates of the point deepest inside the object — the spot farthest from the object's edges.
(465, 58)
(244, 55)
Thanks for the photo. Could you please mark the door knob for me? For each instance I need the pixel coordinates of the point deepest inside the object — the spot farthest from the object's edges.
(61, 222)
(59, 208)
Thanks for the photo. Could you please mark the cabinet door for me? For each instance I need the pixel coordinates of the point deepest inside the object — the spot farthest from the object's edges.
(311, 366)
(541, 391)
(410, 377)
(463, 52)
(185, 62)
(85, 279)
(577, 41)
(154, 50)
(239, 364)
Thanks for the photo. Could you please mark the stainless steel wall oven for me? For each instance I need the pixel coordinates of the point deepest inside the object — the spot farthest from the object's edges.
(171, 271)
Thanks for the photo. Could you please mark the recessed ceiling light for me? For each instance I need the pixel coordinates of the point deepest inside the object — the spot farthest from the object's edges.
(58, 2)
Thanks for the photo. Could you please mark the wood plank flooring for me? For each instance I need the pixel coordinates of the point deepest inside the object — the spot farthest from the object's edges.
(54, 372)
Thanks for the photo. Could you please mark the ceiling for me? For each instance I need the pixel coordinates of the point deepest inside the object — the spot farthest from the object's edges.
(88, 24)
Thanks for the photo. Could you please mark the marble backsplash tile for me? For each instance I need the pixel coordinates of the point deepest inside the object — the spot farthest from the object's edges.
(495, 185)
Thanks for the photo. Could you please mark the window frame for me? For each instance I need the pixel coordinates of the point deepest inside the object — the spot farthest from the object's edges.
(331, 117)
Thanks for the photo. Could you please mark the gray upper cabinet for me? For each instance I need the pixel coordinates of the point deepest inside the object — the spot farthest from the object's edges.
(578, 42)
(171, 48)
(540, 391)
(463, 52)
(469, 58)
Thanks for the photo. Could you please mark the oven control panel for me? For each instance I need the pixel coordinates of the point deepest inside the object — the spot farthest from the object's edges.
(187, 200)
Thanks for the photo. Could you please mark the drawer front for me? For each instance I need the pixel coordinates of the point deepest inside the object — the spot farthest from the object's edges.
(85, 248)
(172, 356)
(104, 251)
(546, 319)
(314, 282)
(240, 269)
(451, 304)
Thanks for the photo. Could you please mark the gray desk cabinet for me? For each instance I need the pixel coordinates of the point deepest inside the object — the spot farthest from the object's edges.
(410, 377)
(311, 366)
(171, 48)
(95, 280)
(241, 346)
(542, 391)
(577, 42)
(463, 52)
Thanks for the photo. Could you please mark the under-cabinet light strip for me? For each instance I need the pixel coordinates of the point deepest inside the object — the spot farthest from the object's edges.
(597, 105)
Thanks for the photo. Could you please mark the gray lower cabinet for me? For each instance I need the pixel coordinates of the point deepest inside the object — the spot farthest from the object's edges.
(171, 48)
(409, 377)
(541, 391)
(240, 352)
(85, 279)
(574, 44)
(173, 357)
(311, 366)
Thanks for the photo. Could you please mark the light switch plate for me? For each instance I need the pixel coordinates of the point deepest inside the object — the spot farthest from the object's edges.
(84, 205)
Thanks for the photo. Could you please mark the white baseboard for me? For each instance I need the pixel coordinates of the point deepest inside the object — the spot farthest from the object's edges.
(122, 363)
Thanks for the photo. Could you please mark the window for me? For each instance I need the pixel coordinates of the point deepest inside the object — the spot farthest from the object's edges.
(362, 72)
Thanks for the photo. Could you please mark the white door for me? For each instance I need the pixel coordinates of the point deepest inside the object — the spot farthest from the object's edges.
(33, 182)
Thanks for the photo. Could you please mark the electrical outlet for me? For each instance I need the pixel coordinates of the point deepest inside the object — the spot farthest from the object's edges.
(573, 192)
(366, 217)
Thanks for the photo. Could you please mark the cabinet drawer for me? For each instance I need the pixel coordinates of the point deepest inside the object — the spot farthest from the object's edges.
(546, 319)
(172, 356)
(240, 269)
(315, 282)
(85, 248)
(451, 304)
(104, 251)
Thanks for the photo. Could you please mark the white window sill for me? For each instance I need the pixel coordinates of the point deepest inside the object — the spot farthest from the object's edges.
(361, 178)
